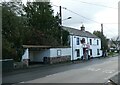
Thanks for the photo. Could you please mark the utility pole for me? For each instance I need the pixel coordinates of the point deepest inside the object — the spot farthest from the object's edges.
(61, 25)
(102, 29)
(102, 39)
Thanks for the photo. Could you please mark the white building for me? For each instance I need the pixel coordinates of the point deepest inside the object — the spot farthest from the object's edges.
(46, 54)
(83, 43)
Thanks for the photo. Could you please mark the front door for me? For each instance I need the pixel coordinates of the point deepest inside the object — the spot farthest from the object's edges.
(85, 53)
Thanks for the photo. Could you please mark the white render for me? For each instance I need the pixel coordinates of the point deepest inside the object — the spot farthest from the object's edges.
(74, 46)
(37, 56)
(26, 55)
(60, 52)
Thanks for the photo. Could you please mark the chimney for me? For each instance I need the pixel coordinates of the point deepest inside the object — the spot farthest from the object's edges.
(82, 28)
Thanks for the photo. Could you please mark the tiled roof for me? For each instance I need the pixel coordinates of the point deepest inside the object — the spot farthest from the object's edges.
(79, 32)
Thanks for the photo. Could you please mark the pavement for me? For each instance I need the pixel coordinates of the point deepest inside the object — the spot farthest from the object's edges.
(114, 80)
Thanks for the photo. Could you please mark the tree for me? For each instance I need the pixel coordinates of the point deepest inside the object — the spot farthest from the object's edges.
(33, 23)
(40, 18)
(104, 45)
(11, 30)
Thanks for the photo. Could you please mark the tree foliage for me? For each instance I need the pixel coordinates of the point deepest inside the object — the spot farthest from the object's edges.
(30, 24)
(11, 30)
(40, 19)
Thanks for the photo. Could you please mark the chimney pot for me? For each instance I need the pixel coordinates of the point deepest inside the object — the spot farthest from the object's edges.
(82, 28)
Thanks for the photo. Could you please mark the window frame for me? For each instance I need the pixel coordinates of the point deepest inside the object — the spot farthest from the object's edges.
(58, 52)
(90, 41)
(78, 52)
(91, 52)
(97, 42)
(98, 52)
(77, 41)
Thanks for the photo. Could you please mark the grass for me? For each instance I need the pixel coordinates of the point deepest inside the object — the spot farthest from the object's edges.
(111, 53)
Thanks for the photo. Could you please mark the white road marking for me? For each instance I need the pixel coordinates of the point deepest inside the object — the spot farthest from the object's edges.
(94, 69)
(108, 71)
(22, 82)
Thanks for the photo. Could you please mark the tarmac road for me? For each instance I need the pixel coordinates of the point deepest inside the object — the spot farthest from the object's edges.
(93, 71)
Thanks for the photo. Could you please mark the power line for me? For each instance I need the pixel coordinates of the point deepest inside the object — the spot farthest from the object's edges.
(83, 16)
(54, 5)
(80, 15)
(111, 23)
(87, 18)
(92, 20)
(97, 4)
(76, 13)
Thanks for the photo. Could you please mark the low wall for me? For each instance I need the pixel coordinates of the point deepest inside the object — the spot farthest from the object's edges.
(7, 65)
(52, 60)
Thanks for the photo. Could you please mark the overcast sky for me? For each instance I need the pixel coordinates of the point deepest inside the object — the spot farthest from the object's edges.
(91, 13)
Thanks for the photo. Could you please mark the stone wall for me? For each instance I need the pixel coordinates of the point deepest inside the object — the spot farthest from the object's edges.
(52, 60)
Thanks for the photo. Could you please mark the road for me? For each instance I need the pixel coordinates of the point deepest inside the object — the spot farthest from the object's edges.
(93, 71)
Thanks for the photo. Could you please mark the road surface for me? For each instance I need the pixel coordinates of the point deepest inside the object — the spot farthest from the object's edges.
(93, 71)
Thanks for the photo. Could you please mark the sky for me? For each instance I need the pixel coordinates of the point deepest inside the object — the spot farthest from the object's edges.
(90, 13)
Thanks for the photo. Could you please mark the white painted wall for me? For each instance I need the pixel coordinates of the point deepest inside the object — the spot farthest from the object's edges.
(94, 47)
(38, 56)
(63, 51)
(74, 46)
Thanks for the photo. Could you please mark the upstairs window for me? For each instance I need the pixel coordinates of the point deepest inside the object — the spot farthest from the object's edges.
(90, 41)
(78, 41)
(83, 40)
(97, 42)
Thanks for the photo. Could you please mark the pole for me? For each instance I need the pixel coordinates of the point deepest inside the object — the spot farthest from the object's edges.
(61, 25)
(102, 29)
(60, 16)
(72, 48)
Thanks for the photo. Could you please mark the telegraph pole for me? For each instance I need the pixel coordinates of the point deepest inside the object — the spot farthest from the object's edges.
(61, 25)
(102, 29)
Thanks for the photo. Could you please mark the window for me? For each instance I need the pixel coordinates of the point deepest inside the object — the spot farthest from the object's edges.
(98, 52)
(78, 52)
(83, 40)
(90, 41)
(78, 41)
(97, 42)
(90, 51)
(58, 52)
